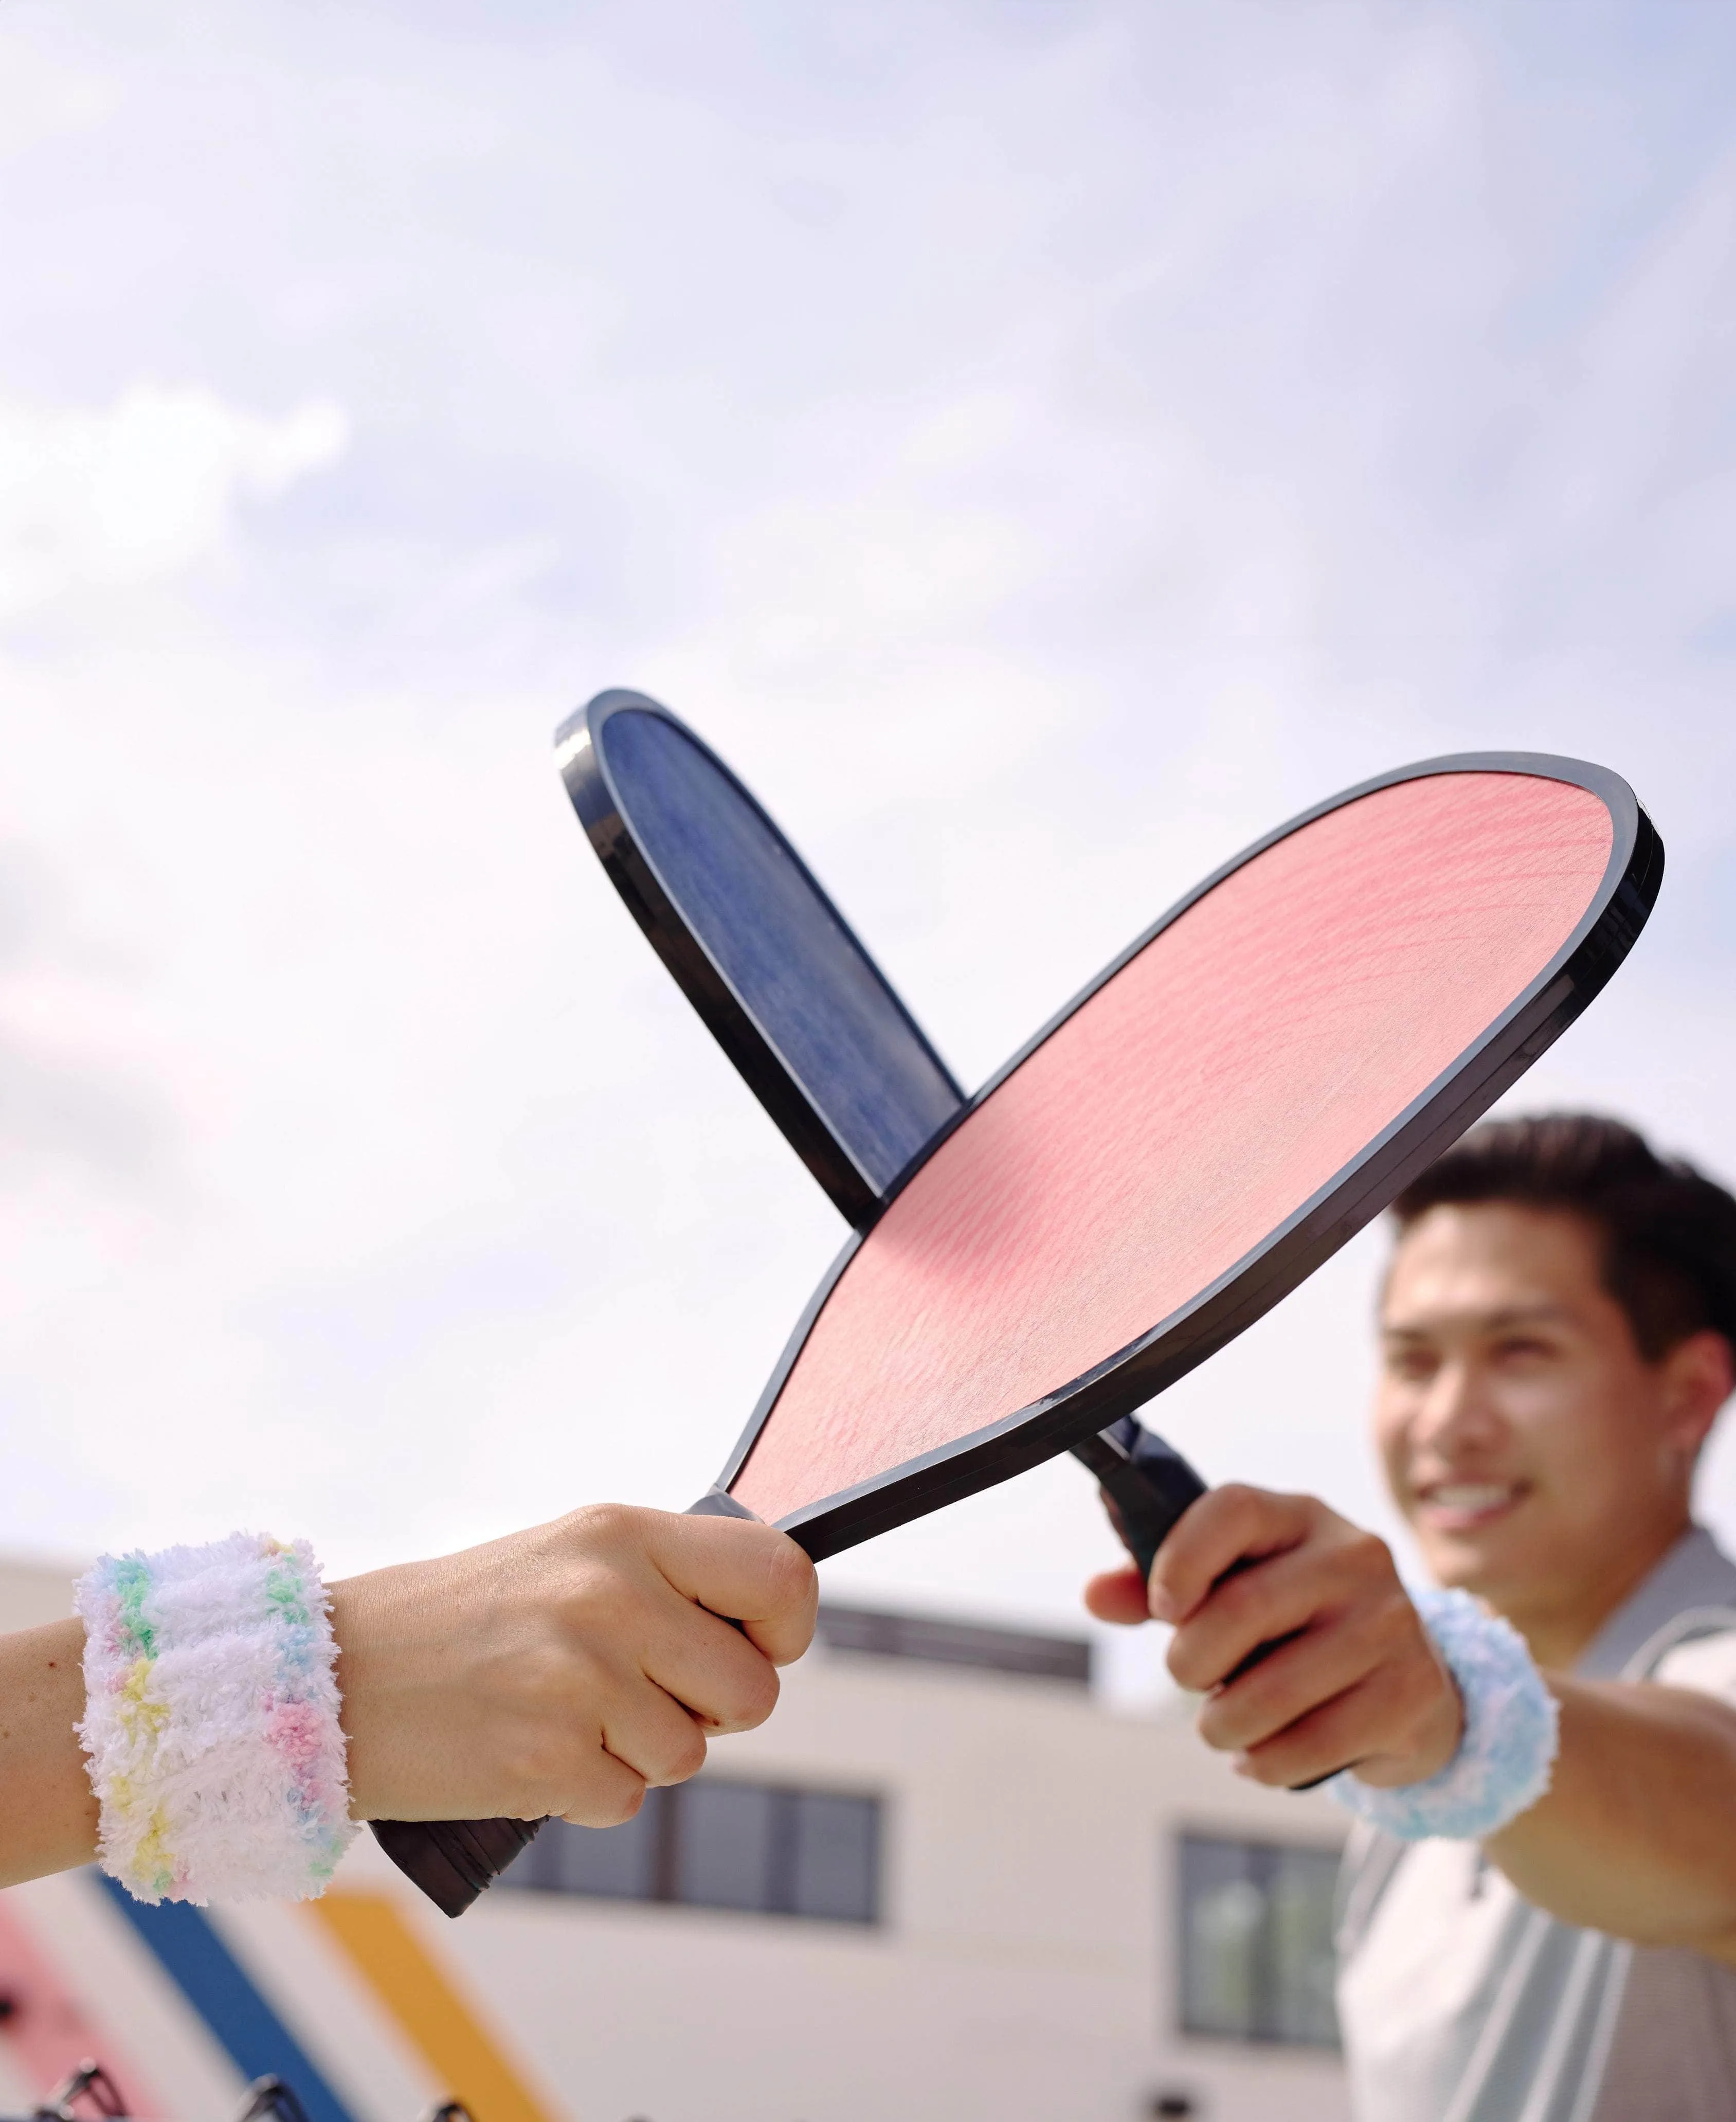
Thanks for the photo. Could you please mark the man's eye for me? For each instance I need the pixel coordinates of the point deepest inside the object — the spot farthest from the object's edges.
(1524, 1349)
(1415, 1366)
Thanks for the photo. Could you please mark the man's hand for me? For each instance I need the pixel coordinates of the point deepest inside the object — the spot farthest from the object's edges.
(564, 1669)
(1354, 1680)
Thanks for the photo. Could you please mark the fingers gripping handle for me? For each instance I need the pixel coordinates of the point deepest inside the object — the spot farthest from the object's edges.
(454, 1860)
(1146, 1485)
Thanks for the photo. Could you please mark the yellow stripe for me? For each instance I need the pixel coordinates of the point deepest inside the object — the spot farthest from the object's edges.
(465, 2060)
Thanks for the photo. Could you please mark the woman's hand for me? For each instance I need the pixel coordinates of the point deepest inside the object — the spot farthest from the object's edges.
(1354, 1680)
(563, 1670)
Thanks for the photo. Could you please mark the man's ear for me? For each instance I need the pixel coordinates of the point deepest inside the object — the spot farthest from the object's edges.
(1699, 1376)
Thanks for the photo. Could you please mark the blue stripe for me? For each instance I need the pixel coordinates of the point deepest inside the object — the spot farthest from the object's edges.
(194, 1956)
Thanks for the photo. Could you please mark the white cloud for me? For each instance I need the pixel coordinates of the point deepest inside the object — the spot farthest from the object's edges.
(124, 496)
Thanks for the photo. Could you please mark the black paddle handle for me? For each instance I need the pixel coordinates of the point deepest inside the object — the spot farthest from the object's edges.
(1146, 1485)
(454, 1860)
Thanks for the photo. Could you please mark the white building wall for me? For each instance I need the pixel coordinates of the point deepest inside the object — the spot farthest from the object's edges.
(1026, 1965)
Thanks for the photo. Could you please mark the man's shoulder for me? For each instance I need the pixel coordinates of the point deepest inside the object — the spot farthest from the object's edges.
(1689, 1609)
(1690, 1594)
(1712, 1567)
(1705, 1661)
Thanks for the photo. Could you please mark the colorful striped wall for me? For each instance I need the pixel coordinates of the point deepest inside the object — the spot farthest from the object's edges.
(351, 1999)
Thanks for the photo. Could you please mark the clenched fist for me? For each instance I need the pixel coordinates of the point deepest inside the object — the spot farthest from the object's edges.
(563, 1670)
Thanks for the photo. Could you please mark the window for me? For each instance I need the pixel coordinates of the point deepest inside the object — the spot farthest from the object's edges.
(761, 1848)
(1256, 1959)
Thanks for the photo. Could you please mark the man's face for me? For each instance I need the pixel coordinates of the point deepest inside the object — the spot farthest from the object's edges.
(1539, 1458)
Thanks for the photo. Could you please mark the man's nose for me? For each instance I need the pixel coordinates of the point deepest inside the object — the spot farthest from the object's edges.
(1457, 1409)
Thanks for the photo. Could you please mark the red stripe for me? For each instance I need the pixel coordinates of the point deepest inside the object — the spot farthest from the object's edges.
(47, 2033)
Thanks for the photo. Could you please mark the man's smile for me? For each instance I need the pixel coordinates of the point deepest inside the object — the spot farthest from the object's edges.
(1462, 1505)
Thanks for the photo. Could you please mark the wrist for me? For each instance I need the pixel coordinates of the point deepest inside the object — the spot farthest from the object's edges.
(48, 1821)
(409, 1639)
(377, 1688)
(211, 1721)
(1435, 1742)
(1507, 1746)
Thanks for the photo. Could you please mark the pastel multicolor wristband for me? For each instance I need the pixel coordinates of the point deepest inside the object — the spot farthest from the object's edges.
(1511, 1733)
(211, 1721)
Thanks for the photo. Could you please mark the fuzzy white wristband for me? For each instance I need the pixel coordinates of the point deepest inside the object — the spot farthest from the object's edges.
(211, 1721)
(1512, 1728)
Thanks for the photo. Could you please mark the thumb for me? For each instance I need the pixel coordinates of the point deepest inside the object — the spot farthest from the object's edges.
(1118, 1595)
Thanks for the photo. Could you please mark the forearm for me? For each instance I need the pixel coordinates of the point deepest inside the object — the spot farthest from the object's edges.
(1636, 1835)
(48, 1815)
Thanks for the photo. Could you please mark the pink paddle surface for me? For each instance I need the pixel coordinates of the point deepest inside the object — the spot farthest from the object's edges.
(1228, 1072)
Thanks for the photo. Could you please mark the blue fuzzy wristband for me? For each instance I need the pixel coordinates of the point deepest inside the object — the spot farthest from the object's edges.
(1511, 1731)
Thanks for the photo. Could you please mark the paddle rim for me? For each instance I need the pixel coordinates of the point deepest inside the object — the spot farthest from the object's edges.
(607, 816)
(1125, 1380)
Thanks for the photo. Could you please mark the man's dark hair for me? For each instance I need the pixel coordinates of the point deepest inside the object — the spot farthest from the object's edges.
(1669, 1231)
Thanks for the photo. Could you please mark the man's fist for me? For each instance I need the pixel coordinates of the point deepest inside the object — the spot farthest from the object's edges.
(1353, 1679)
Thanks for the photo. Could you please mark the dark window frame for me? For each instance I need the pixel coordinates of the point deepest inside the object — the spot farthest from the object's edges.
(786, 1888)
(1266, 1858)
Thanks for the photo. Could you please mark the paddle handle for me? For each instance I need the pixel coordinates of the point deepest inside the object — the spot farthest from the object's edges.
(1146, 1485)
(453, 1860)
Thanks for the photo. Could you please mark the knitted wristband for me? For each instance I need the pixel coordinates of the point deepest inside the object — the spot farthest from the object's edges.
(1503, 1762)
(211, 1721)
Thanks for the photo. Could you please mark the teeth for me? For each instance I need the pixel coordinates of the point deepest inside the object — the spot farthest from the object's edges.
(1470, 1496)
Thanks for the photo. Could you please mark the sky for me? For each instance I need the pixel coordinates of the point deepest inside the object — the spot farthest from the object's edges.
(1041, 446)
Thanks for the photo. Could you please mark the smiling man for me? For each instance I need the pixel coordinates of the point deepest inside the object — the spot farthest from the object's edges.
(1557, 1329)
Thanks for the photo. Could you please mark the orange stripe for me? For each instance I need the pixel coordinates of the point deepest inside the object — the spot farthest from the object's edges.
(463, 2057)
